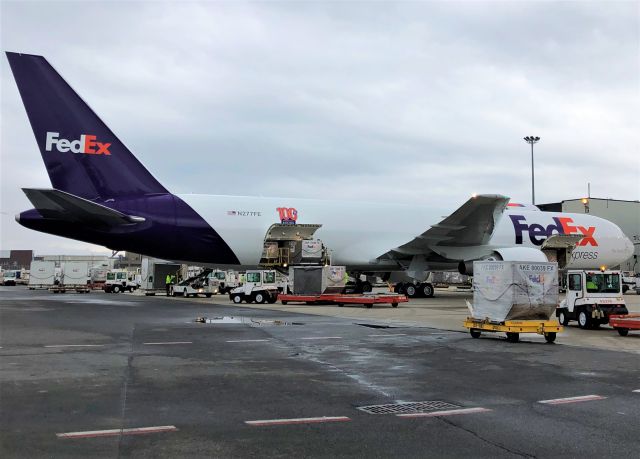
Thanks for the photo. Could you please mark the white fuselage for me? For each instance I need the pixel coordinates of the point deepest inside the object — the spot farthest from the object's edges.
(359, 232)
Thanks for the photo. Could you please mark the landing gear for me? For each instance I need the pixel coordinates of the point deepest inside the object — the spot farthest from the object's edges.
(411, 290)
(427, 290)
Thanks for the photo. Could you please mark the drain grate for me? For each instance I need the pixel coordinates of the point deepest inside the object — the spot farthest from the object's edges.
(408, 407)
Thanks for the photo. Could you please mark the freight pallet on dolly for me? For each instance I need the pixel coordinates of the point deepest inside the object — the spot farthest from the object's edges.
(339, 299)
(624, 323)
(513, 328)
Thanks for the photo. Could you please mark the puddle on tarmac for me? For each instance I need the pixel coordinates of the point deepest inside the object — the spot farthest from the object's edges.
(244, 320)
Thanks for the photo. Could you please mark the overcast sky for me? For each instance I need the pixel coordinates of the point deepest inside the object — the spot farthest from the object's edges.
(416, 101)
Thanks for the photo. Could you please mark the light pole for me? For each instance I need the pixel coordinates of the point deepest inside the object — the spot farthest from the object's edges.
(531, 140)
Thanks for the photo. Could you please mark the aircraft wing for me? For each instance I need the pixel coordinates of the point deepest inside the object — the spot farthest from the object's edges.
(59, 205)
(470, 225)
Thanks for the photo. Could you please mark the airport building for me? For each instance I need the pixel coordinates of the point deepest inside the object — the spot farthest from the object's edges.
(15, 259)
(625, 214)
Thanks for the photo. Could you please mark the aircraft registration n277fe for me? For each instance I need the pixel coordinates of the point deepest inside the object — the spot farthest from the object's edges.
(103, 195)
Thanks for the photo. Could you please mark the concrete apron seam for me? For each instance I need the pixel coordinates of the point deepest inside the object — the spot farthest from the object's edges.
(125, 385)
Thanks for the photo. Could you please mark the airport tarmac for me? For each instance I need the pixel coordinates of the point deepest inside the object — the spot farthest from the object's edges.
(106, 375)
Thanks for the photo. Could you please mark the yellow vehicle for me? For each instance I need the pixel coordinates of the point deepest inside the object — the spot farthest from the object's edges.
(513, 328)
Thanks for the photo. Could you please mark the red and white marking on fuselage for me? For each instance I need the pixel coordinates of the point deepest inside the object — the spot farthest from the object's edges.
(282, 422)
(433, 414)
(117, 432)
(581, 398)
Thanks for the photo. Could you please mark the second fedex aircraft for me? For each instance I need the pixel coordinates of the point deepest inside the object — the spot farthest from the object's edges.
(103, 195)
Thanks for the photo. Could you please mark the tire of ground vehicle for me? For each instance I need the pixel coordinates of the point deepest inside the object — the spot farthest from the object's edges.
(272, 299)
(410, 290)
(550, 337)
(625, 287)
(513, 337)
(394, 305)
(366, 287)
(562, 317)
(623, 331)
(208, 295)
(185, 294)
(260, 298)
(475, 333)
(116, 289)
(427, 290)
(584, 321)
(236, 298)
(369, 305)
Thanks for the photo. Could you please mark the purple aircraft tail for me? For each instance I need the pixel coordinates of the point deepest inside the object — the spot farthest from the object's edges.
(82, 156)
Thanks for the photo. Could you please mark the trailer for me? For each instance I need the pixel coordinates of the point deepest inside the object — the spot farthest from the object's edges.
(548, 328)
(624, 322)
(339, 299)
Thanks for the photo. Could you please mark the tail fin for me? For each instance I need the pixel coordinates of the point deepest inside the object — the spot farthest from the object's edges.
(82, 156)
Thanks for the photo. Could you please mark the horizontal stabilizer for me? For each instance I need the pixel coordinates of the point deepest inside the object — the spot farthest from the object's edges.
(59, 205)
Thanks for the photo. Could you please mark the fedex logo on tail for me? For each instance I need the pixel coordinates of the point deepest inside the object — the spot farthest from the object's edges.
(563, 225)
(86, 144)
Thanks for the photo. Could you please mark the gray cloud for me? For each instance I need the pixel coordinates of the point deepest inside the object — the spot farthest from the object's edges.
(421, 102)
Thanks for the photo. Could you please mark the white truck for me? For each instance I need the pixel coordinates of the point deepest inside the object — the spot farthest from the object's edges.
(592, 296)
(119, 280)
(259, 286)
(225, 280)
(201, 284)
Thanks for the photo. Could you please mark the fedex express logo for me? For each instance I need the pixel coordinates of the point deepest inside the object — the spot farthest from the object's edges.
(86, 144)
(564, 225)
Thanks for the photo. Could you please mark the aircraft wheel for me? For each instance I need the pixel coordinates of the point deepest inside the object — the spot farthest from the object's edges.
(411, 290)
(427, 290)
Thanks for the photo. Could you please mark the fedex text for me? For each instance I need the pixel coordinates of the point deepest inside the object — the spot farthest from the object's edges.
(86, 144)
(563, 225)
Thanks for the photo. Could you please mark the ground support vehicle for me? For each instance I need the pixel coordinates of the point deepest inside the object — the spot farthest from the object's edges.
(9, 277)
(624, 323)
(367, 300)
(259, 287)
(592, 296)
(119, 280)
(201, 284)
(513, 328)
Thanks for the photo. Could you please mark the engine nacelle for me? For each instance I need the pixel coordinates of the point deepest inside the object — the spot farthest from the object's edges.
(507, 254)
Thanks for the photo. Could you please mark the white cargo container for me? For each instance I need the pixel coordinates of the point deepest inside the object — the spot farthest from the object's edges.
(316, 280)
(42, 274)
(153, 274)
(75, 273)
(511, 290)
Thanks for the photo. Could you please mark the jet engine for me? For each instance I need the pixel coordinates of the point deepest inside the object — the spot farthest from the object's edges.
(506, 254)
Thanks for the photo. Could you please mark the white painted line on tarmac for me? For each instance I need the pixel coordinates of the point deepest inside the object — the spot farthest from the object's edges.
(247, 340)
(637, 390)
(581, 398)
(323, 337)
(116, 432)
(433, 414)
(75, 345)
(389, 334)
(170, 342)
(280, 422)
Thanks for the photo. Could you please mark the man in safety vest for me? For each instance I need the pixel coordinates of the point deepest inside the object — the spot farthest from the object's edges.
(167, 283)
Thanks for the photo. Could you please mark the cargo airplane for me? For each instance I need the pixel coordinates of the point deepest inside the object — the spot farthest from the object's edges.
(103, 195)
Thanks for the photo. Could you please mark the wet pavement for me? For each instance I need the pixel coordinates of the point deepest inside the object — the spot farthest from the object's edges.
(102, 375)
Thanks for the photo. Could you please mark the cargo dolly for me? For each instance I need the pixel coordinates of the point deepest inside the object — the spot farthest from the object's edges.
(367, 300)
(624, 323)
(513, 328)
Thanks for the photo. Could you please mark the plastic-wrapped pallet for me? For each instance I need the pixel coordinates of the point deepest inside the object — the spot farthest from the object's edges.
(511, 290)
